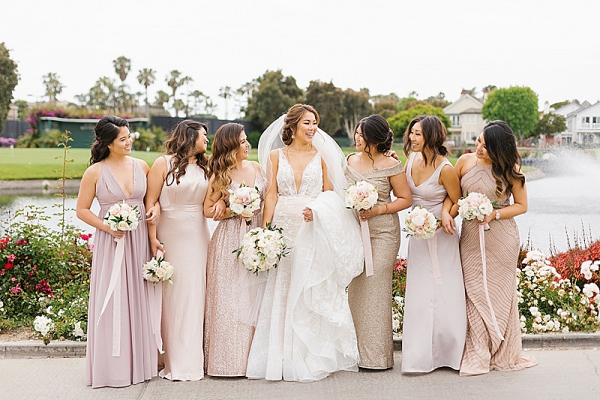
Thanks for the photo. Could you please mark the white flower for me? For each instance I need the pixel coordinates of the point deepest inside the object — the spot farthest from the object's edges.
(78, 331)
(43, 324)
(589, 289)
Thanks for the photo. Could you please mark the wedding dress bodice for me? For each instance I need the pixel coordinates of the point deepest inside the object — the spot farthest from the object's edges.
(312, 178)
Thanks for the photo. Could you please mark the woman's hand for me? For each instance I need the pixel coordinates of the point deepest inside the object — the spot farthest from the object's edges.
(370, 213)
(115, 234)
(155, 245)
(448, 223)
(153, 213)
(218, 210)
(391, 153)
(308, 214)
(488, 218)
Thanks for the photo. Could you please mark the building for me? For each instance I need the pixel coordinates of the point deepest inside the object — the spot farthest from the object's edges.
(466, 119)
(583, 123)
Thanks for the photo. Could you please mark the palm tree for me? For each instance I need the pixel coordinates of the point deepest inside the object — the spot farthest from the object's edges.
(146, 78)
(162, 97)
(122, 67)
(175, 81)
(197, 96)
(53, 86)
(225, 93)
(209, 106)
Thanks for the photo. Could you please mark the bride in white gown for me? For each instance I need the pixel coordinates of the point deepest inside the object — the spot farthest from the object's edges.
(305, 330)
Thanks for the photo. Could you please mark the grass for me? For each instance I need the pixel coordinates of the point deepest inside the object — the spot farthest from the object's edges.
(26, 164)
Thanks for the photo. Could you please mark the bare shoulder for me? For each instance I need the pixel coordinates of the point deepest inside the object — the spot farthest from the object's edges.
(93, 172)
(388, 162)
(143, 164)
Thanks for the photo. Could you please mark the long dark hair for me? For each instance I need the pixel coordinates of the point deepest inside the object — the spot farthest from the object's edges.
(501, 146)
(106, 130)
(376, 132)
(225, 148)
(181, 145)
(434, 136)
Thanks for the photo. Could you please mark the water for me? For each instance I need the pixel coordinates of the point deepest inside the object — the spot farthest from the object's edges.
(558, 205)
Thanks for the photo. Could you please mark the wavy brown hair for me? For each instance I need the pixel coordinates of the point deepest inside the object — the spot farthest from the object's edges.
(225, 148)
(106, 131)
(501, 146)
(293, 116)
(182, 145)
(434, 136)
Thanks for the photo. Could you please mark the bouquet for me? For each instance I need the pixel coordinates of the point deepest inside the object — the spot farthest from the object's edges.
(421, 223)
(158, 270)
(361, 196)
(262, 249)
(475, 206)
(244, 201)
(122, 217)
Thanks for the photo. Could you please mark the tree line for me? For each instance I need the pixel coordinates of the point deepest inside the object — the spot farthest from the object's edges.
(266, 97)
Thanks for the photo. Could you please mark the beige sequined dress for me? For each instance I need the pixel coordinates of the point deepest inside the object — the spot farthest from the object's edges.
(227, 335)
(370, 297)
(484, 349)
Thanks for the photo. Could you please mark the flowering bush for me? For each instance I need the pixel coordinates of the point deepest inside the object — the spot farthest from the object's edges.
(7, 142)
(43, 269)
(398, 291)
(549, 302)
(568, 264)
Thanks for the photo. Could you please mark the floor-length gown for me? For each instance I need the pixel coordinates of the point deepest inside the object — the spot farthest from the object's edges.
(371, 297)
(227, 333)
(183, 230)
(433, 333)
(484, 349)
(137, 357)
(305, 330)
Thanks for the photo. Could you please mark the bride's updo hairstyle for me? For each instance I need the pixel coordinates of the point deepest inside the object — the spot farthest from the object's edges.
(225, 148)
(106, 130)
(434, 136)
(376, 133)
(293, 116)
(501, 146)
(182, 145)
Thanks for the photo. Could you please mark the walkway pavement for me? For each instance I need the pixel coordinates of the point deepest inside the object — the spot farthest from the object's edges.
(561, 374)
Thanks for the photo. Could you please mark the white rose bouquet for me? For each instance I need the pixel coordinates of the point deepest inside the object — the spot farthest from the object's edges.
(244, 201)
(158, 270)
(420, 223)
(262, 249)
(361, 196)
(475, 206)
(122, 217)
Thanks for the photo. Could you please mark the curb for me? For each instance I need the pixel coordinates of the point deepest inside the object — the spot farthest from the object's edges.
(548, 341)
(66, 348)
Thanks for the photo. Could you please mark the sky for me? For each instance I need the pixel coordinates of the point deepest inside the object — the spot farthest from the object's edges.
(399, 46)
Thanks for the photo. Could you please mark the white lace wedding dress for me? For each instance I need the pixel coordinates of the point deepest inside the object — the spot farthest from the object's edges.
(305, 329)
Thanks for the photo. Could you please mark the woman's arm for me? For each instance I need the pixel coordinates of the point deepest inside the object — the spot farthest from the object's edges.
(156, 179)
(326, 183)
(214, 205)
(449, 178)
(85, 197)
(519, 206)
(271, 196)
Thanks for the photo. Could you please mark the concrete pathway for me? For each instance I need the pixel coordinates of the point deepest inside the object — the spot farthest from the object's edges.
(561, 374)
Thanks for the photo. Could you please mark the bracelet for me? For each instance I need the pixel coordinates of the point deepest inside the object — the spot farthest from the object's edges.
(386, 208)
(497, 214)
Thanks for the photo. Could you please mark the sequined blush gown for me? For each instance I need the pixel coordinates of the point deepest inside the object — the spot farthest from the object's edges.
(227, 332)
(484, 349)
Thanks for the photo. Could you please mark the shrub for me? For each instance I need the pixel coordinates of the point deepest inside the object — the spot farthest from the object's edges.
(43, 272)
(152, 139)
(253, 138)
(7, 142)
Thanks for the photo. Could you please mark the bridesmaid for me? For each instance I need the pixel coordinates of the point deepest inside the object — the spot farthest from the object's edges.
(433, 334)
(178, 182)
(231, 289)
(493, 331)
(120, 343)
(371, 297)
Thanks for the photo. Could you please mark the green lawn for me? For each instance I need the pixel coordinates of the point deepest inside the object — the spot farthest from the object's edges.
(19, 163)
